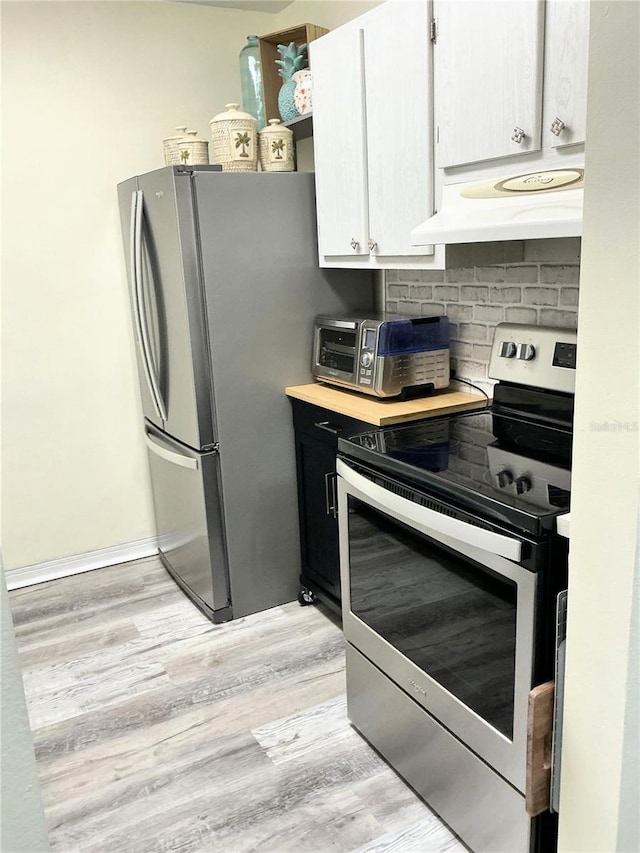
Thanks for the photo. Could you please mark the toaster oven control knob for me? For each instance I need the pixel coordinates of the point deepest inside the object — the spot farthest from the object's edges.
(366, 359)
(523, 485)
(505, 478)
(508, 349)
(526, 352)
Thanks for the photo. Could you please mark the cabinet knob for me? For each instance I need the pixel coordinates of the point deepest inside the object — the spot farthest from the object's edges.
(557, 126)
(354, 244)
(518, 135)
(372, 245)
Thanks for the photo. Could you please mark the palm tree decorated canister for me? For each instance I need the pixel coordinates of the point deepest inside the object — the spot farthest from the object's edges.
(234, 140)
(294, 58)
(276, 148)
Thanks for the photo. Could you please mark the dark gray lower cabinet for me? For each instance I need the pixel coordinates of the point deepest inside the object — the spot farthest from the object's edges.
(316, 438)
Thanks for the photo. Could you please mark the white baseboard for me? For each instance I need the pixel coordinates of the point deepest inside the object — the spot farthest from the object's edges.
(74, 565)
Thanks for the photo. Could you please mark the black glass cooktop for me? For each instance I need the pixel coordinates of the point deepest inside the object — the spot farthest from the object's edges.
(512, 469)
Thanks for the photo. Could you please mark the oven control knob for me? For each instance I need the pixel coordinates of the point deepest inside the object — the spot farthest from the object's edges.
(507, 349)
(505, 478)
(523, 485)
(366, 359)
(526, 352)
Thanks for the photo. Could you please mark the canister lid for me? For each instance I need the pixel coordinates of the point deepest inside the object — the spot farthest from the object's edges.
(191, 136)
(276, 127)
(232, 114)
(181, 132)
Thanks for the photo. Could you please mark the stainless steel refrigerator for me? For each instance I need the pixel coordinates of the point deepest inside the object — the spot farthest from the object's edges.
(224, 283)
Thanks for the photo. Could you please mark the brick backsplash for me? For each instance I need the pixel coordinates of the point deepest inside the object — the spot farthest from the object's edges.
(476, 299)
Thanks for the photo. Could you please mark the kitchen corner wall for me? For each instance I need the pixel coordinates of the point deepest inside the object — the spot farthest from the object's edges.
(89, 90)
(542, 290)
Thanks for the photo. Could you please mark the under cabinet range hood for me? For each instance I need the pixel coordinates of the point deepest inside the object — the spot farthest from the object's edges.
(531, 206)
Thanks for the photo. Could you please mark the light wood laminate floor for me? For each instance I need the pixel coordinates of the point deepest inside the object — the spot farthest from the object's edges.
(156, 730)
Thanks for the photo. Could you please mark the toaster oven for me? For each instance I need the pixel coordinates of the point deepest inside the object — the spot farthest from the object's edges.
(385, 356)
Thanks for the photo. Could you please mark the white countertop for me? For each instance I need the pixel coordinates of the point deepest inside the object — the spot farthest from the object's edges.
(564, 525)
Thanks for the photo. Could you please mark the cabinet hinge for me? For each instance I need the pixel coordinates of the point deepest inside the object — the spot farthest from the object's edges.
(433, 30)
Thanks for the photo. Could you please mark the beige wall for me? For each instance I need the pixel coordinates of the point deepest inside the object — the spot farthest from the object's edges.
(89, 90)
(599, 794)
(323, 13)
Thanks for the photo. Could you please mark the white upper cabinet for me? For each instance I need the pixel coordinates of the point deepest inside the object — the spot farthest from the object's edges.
(488, 66)
(372, 134)
(510, 78)
(565, 73)
(339, 143)
(398, 84)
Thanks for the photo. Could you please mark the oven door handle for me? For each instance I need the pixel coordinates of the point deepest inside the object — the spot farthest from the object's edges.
(428, 520)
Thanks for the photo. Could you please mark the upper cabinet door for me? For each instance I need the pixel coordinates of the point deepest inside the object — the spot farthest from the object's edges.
(398, 82)
(488, 62)
(339, 143)
(565, 72)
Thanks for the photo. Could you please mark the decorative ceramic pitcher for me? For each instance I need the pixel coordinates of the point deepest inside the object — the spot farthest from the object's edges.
(302, 94)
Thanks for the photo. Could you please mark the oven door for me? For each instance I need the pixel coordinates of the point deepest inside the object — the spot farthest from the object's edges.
(335, 349)
(443, 608)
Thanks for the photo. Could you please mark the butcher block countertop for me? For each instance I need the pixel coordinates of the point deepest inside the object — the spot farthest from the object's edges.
(379, 412)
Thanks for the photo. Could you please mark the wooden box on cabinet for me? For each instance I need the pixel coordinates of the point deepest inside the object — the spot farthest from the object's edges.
(271, 81)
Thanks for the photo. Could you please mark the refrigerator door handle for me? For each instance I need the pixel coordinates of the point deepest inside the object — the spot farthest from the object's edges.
(170, 455)
(140, 317)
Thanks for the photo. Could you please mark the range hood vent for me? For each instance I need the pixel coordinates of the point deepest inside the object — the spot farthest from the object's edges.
(529, 206)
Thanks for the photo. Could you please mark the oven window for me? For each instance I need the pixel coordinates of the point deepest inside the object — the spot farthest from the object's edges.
(337, 349)
(452, 617)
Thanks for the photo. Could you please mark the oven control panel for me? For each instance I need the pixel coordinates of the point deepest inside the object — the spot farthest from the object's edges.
(545, 486)
(539, 356)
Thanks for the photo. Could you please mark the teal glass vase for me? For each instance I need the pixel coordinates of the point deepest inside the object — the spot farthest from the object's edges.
(251, 81)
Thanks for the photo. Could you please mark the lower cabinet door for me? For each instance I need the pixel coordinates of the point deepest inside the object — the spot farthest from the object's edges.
(316, 461)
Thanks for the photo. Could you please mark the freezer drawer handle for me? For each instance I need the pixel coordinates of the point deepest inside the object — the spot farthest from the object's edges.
(170, 455)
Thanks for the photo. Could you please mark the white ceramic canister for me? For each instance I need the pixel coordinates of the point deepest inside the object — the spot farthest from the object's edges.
(276, 148)
(234, 140)
(193, 151)
(302, 94)
(170, 146)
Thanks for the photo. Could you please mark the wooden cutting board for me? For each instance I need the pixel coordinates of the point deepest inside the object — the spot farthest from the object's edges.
(379, 412)
(539, 734)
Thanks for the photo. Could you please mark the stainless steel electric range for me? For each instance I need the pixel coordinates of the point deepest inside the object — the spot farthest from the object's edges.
(451, 566)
